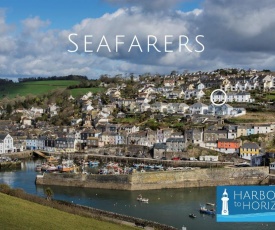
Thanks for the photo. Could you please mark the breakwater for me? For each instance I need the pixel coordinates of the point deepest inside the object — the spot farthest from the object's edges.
(19, 155)
(160, 179)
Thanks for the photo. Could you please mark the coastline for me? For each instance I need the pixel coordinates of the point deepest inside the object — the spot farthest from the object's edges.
(85, 211)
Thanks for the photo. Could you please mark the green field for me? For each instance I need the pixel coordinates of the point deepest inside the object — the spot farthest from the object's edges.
(42, 87)
(271, 96)
(21, 214)
(34, 87)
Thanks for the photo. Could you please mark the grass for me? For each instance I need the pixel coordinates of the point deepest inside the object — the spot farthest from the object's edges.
(255, 117)
(42, 87)
(21, 214)
(271, 96)
(34, 87)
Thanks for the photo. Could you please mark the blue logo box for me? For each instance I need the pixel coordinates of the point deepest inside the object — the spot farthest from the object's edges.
(245, 204)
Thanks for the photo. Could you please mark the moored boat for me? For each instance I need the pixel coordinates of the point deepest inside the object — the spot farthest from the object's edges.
(93, 163)
(158, 167)
(38, 168)
(141, 199)
(51, 168)
(210, 204)
(204, 210)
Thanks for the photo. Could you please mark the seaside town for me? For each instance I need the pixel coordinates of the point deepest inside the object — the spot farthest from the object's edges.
(167, 117)
(141, 133)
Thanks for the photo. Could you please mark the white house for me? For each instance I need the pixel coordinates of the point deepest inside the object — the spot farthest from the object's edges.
(225, 109)
(53, 109)
(193, 94)
(31, 144)
(239, 97)
(86, 96)
(37, 110)
(198, 108)
(209, 158)
(264, 128)
(183, 108)
(144, 107)
(159, 106)
(87, 107)
(6, 143)
(200, 86)
(233, 97)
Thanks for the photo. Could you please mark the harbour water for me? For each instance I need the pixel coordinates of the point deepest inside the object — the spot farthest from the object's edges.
(170, 207)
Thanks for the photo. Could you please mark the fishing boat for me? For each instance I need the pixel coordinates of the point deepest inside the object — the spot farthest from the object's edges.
(93, 163)
(66, 166)
(38, 168)
(51, 168)
(44, 167)
(204, 210)
(141, 199)
(192, 215)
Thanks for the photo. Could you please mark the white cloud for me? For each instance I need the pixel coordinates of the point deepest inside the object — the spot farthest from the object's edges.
(237, 34)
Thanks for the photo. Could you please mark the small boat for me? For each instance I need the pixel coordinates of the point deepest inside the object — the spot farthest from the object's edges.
(141, 199)
(93, 163)
(66, 168)
(149, 166)
(38, 168)
(210, 204)
(103, 171)
(158, 167)
(204, 210)
(192, 215)
(51, 168)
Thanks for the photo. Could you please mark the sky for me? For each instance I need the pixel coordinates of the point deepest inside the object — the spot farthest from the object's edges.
(34, 36)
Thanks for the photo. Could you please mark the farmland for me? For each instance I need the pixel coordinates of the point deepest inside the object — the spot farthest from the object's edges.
(42, 87)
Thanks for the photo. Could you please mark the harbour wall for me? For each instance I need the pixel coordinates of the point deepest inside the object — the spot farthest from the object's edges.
(161, 179)
(19, 155)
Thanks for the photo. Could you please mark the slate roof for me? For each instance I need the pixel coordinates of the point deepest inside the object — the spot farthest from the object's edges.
(250, 145)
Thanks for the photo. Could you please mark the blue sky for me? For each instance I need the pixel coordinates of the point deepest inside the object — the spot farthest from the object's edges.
(64, 14)
(34, 35)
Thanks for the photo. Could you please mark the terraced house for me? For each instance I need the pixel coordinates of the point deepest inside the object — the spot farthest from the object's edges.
(248, 150)
(6, 143)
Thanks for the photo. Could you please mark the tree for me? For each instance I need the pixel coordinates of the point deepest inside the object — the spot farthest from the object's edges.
(9, 109)
(48, 193)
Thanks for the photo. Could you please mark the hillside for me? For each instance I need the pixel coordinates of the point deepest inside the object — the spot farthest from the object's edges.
(41, 87)
(21, 214)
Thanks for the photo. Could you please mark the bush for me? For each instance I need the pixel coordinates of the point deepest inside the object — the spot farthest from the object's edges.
(4, 188)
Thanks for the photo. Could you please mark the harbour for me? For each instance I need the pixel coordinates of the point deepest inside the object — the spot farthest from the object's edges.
(167, 206)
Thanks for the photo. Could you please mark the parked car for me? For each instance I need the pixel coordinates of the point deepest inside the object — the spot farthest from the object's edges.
(193, 159)
(106, 153)
(135, 156)
(163, 158)
(175, 158)
(184, 159)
